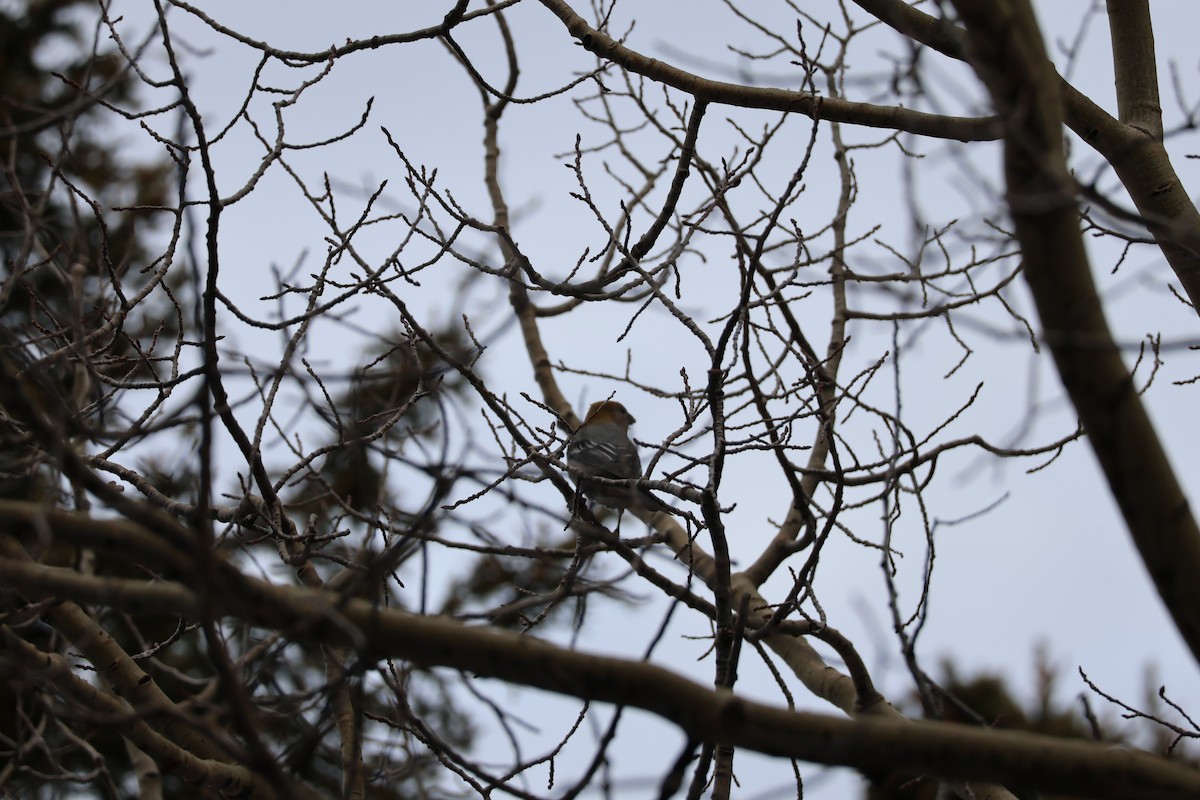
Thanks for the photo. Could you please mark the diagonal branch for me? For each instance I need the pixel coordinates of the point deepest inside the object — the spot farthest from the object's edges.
(1135, 152)
(870, 744)
(1008, 54)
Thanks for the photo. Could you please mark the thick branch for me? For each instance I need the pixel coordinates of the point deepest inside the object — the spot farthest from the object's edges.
(1135, 153)
(869, 744)
(1008, 54)
(1134, 65)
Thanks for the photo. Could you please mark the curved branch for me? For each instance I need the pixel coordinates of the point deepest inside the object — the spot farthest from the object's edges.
(964, 129)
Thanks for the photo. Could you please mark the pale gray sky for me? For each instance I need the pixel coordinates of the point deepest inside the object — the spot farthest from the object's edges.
(1051, 564)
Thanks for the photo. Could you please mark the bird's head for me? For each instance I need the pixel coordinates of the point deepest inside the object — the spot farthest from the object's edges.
(608, 411)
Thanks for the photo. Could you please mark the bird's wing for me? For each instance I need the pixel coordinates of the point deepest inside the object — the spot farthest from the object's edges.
(605, 457)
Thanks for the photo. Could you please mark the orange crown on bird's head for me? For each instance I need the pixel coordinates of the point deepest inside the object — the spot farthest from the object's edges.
(608, 411)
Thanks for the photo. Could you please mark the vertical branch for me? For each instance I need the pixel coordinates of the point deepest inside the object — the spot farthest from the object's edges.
(1134, 65)
(824, 371)
(214, 401)
(347, 713)
(518, 294)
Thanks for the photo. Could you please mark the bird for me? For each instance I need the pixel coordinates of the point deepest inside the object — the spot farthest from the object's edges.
(601, 448)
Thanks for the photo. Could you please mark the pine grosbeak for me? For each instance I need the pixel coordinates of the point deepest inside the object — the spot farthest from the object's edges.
(601, 448)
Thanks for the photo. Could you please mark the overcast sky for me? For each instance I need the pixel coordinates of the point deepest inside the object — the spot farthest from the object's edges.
(1050, 564)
